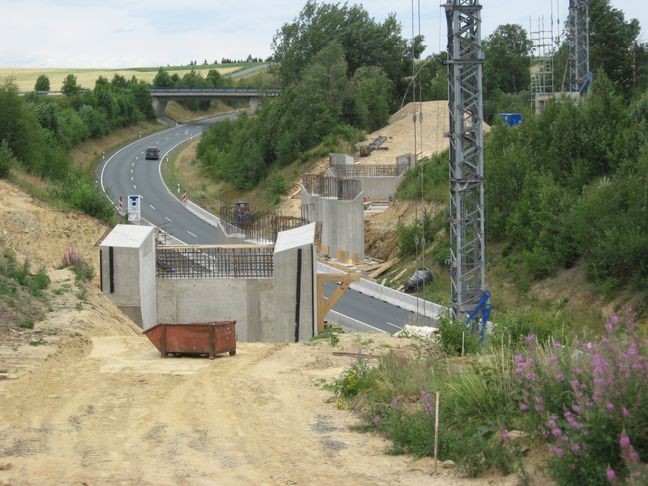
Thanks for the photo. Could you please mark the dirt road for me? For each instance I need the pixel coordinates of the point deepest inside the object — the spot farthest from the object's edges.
(107, 409)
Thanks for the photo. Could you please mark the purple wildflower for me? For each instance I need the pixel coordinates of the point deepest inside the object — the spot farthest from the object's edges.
(624, 442)
(427, 406)
(611, 475)
(505, 434)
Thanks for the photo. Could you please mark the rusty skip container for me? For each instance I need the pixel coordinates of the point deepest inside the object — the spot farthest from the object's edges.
(209, 338)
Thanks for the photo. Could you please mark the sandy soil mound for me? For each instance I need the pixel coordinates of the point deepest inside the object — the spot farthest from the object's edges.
(36, 231)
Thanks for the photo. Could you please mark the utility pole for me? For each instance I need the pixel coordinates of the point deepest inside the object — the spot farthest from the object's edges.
(579, 47)
(467, 240)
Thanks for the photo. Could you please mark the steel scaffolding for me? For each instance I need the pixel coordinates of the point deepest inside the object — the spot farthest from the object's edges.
(467, 242)
(542, 66)
(579, 55)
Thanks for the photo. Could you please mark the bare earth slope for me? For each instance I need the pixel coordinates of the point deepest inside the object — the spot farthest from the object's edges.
(97, 405)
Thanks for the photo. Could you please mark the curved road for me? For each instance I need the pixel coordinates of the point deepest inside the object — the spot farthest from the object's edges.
(127, 172)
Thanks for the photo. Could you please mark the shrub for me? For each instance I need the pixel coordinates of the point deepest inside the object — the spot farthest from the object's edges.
(452, 332)
(354, 380)
(74, 260)
(590, 402)
(6, 159)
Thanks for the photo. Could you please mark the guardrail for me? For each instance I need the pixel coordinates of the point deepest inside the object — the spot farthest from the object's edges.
(217, 91)
(391, 296)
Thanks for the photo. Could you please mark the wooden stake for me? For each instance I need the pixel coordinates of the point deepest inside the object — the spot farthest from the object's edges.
(463, 339)
(436, 430)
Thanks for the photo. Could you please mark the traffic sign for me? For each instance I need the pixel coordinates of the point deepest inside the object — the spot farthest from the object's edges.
(134, 208)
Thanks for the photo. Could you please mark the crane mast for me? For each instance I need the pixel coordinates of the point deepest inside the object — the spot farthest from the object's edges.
(466, 134)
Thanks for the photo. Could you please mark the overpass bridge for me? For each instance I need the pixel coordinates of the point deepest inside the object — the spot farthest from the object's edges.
(161, 96)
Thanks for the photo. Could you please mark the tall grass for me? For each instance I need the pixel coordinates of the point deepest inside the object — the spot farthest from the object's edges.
(585, 403)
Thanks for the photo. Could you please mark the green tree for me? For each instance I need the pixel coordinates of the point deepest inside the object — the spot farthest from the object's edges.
(612, 41)
(214, 78)
(119, 81)
(162, 79)
(434, 77)
(365, 42)
(507, 60)
(366, 102)
(70, 86)
(42, 83)
(6, 159)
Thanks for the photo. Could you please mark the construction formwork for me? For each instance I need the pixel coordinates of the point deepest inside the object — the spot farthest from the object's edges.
(214, 262)
(258, 226)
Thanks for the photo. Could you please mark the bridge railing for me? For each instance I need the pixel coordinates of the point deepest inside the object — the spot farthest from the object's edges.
(216, 91)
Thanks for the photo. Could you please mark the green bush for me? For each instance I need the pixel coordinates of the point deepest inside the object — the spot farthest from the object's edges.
(78, 190)
(7, 160)
(451, 335)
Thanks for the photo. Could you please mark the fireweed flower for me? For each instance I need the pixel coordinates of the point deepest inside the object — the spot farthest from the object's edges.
(427, 406)
(505, 434)
(611, 475)
(624, 441)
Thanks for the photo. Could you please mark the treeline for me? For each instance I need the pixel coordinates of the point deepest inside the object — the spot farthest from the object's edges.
(341, 71)
(572, 184)
(36, 132)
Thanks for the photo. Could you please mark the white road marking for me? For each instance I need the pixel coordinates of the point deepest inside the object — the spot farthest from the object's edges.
(394, 325)
(136, 158)
(134, 186)
(192, 234)
(132, 178)
(153, 208)
(169, 220)
(356, 321)
(131, 172)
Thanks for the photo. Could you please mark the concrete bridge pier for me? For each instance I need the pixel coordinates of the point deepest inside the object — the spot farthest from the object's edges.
(159, 106)
(254, 104)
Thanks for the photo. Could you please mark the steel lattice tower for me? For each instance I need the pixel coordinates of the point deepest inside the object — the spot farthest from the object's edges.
(467, 242)
(579, 48)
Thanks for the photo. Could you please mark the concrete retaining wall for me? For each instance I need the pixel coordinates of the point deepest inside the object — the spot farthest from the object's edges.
(341, 159)
(342, 225)
(250, 302)
(380, 187)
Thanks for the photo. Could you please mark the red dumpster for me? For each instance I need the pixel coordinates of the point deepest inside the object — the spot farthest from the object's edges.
(210, 338)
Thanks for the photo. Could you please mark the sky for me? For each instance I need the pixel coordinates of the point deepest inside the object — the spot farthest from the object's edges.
(127, 33)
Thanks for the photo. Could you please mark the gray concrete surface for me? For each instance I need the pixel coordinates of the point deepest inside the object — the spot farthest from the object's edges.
(250, 302)
(342, 225)
(286, 274)
(134, 272)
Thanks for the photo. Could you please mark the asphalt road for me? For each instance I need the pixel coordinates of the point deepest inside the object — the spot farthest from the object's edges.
(126, 172)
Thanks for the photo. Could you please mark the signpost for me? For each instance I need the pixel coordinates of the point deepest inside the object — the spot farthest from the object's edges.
(134, 208)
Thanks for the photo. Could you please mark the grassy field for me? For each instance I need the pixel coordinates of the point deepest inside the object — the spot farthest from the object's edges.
(26, 77)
